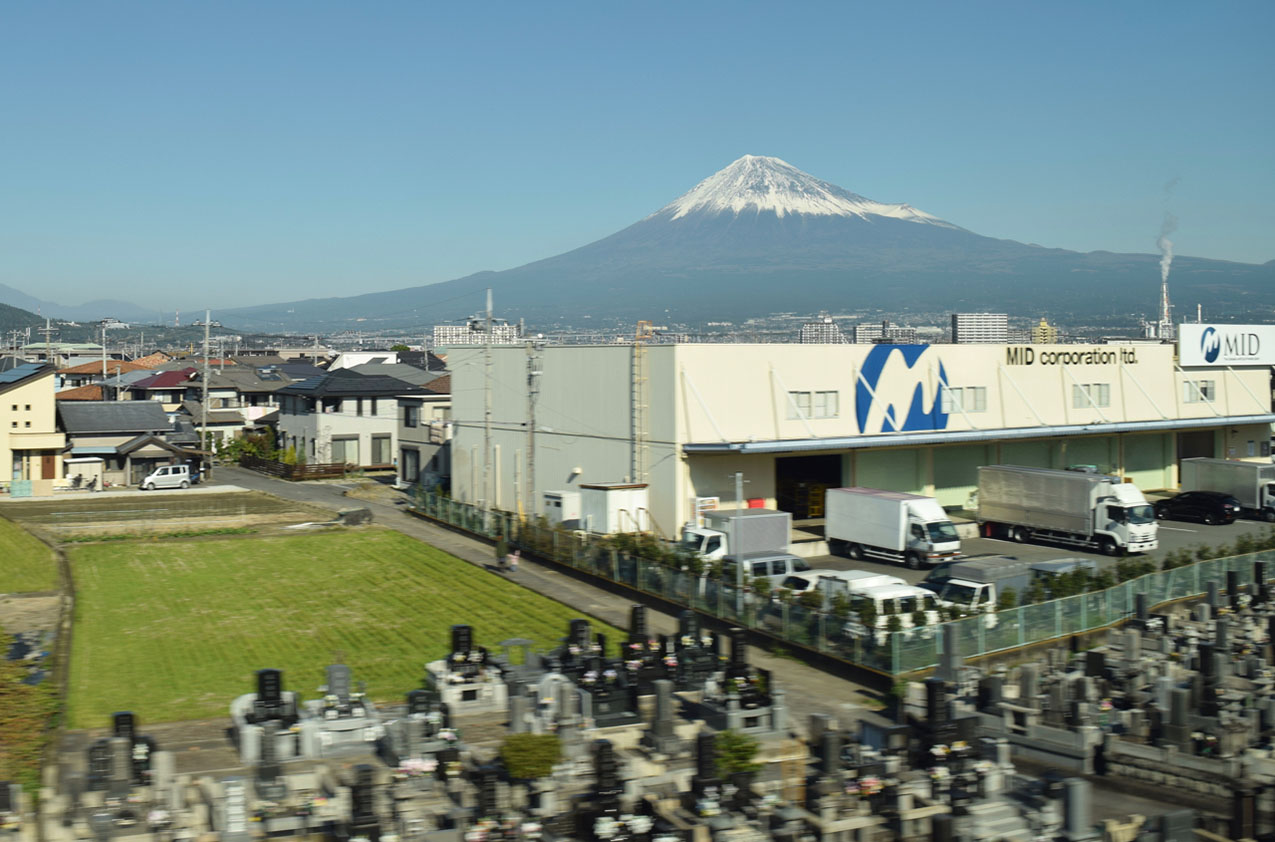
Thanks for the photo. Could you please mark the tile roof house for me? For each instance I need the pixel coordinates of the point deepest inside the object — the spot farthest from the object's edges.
(81, 393)
(166, 387)
(344, 416)
(131, 438)
(89, 373)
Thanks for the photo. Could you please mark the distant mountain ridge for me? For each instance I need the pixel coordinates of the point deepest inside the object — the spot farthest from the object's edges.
(88, 311)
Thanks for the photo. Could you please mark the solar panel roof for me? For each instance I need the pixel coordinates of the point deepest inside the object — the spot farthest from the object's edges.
(20, 372)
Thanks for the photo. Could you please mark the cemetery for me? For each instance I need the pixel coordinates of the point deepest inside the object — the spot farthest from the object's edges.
(1163, 734)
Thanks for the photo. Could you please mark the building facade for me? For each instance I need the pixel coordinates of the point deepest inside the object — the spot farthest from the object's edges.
(797, 419)
(474, 332)
(980, 328)
(30, 442)
(344, 417)
(424, 436)
(823, 331)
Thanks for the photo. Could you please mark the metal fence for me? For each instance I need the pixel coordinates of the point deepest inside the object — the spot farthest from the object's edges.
(893, 653)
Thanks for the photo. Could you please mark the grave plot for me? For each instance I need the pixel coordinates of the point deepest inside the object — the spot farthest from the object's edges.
(148, 514)
(173, 629)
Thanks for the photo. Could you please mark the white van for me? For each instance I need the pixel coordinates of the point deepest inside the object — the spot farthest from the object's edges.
(169, 476)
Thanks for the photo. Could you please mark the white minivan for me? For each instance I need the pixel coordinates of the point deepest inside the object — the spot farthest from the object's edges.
(169, 476)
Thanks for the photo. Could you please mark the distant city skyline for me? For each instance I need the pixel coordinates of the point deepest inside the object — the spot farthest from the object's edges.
(236, 154)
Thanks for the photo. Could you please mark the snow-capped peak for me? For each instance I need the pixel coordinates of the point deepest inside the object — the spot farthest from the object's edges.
(759, 183)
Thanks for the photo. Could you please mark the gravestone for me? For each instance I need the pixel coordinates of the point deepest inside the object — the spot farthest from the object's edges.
(468, 680)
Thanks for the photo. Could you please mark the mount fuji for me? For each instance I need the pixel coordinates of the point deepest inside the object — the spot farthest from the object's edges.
(762, 236)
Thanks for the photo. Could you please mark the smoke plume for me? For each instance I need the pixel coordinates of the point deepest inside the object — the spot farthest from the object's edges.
(1166, 245)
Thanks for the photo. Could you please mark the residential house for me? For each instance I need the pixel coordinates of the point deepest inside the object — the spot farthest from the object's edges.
(131, 438)
(29, 438)
(166, 387)
(424, 435)
(91, 373)
(344, 416)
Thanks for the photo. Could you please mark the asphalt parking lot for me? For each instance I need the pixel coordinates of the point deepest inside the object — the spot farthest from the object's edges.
(1174, 535)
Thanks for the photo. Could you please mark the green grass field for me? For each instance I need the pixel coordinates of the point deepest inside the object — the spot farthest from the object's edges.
(175, 630)
(26, 563)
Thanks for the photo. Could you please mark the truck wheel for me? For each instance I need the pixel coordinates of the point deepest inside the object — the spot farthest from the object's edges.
(913, 561)
(1269, 515)
(854, 551)
(1018, 534)
(1108, 547)
(836, 547)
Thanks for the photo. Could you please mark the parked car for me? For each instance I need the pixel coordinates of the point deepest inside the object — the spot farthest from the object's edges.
(1206, 506)
(169, 476)
(775, 566)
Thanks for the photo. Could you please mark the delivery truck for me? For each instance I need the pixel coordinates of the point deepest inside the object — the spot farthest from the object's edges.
(976, 584)
(1065, 507)
(756, 530)
(1252, 483)
(889, 525)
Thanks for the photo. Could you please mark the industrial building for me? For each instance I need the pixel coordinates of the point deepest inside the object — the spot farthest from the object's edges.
(795, 419)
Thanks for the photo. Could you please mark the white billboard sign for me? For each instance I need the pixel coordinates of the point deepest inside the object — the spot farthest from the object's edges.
(1223, 345)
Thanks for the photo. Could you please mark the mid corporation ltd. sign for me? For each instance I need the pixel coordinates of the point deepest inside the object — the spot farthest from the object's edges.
(1222, 345)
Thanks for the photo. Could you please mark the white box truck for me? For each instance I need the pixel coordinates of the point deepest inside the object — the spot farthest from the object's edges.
(1065, 507)
(890, 525)
(1252, 483)
(756, 530)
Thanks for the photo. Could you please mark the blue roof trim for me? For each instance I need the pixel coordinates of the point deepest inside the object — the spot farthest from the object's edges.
(956, 437)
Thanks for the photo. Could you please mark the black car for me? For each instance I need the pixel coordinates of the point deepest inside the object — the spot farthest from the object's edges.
(1206, 506)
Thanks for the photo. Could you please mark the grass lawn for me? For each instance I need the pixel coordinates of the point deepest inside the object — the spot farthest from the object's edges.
(175, 630)
(26, 563)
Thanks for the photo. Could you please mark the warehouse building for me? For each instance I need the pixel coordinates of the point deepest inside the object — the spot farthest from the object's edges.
(796, 419)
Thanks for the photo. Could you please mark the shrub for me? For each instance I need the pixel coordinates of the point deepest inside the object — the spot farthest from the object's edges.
(530, 756)
(762, 586)
(1007, 599)
(735, 752)
(812, 600)
(894, 624)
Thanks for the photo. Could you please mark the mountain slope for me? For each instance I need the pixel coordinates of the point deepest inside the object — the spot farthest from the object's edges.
(762, 236)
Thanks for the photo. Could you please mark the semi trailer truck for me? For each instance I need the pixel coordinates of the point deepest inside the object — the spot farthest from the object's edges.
(1252, 483)
(889, 525)
(1065, 507)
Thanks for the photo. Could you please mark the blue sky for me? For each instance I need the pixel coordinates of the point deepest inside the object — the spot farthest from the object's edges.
(219, 154)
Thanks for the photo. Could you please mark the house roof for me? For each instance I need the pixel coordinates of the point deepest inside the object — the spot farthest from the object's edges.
(138, 442)
(23, 373)
(243, 379)
(126, 379)
(80, 393)
(112, 417)
(347, 382)
(215, 416)
(440, 385)
(112, 367)
(407, 373)
(152, 360)
(166, 379)
(9, 362)
(300, 370)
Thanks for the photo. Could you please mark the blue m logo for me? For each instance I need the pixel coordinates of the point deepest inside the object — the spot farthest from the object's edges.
(893, 392)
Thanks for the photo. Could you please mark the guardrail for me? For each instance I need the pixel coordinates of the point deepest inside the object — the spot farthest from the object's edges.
(891, 653)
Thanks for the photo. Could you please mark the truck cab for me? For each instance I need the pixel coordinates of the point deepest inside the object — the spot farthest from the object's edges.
(707, 543)
(1130, 520)
(933, 540)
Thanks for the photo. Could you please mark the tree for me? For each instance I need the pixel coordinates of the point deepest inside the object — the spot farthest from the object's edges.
(399, 346)
(735, 752)
(530, 756)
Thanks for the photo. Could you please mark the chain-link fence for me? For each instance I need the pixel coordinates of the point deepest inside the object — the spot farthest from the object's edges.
(894, 653)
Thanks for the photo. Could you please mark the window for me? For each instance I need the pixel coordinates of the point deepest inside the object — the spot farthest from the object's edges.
(1199, 391)
(346, 450)
(358, 408)
(814, 404)
(381, 454)
(372, 407)
(29, 424)
(1090, 395)
(28, 407)
(964, 399)
(411, 415)
(799, 405)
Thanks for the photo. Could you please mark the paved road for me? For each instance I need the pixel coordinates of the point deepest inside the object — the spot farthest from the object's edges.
(809, 690)
(1174, 535)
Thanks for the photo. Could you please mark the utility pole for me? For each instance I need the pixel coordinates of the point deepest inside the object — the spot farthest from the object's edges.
(533, 393)
(203, 403)
(487, 408)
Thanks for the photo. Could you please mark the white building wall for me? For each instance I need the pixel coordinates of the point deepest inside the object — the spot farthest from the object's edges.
(321, 427)
(739, 393)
